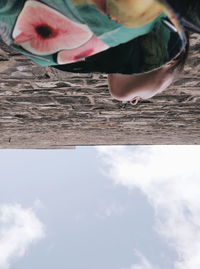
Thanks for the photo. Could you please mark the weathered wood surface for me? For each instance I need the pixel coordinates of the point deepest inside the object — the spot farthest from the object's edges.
(45, 108)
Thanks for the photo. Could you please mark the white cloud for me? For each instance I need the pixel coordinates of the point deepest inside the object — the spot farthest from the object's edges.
(143, 263)
(19, 228)
(170, 178)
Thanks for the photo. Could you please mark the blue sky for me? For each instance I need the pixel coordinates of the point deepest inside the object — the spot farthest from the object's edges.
(100, 207)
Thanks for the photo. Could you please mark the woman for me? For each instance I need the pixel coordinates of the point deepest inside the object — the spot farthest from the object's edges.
(144, 86)
(123, 38)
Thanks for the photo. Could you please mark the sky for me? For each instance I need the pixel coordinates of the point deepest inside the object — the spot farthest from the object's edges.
(115, 207)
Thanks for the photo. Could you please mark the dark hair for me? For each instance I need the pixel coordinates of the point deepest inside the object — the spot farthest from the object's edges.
(124, 59)
(180, 60)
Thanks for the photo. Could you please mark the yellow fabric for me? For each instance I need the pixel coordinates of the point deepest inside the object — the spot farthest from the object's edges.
(131, 13)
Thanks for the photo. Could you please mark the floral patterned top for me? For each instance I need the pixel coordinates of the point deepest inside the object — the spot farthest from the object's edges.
(57, 32)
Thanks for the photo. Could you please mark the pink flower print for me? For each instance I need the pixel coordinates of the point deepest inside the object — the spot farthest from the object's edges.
(93, 46)
(42, 30)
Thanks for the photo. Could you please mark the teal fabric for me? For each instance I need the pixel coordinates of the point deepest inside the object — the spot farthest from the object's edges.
(9, 11)
(110, 32)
